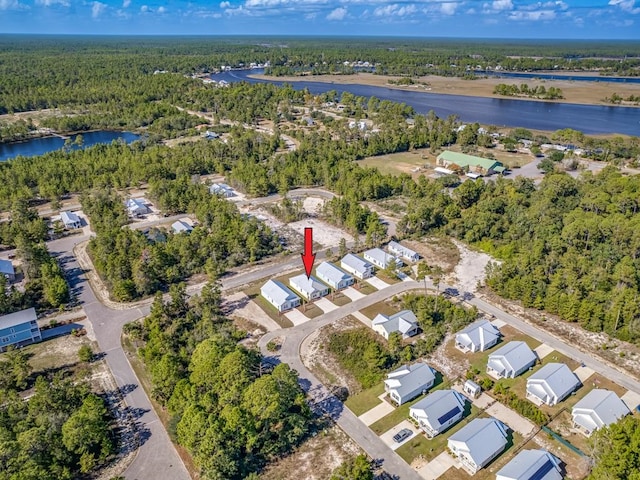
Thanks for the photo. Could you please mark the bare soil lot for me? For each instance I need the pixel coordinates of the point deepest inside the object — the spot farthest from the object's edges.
(470, 271)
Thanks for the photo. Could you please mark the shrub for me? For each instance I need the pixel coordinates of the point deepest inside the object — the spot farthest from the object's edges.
(85, 353)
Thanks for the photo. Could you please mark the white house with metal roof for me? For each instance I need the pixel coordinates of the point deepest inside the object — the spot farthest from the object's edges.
(180, 226)
(438, 411)
(532, 465)
(310, 288)
(222, 190)
(70, 220)
(478, 442)
(599, 408)
(551, 384)
(356, 266)
(404, 322)
(136, 207)
(401, 251)
(19, 328)
(409, 381)
(477, 337)
(333, 276)
(511, 360)
(380, 258)
(279, 296)
(6, 269)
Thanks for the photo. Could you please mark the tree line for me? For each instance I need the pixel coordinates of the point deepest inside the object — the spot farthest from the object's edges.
(523, 90)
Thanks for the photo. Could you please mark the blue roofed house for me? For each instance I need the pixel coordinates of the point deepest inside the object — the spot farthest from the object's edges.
(599, 408)
(531, 465)
(356, 266)
(478, 442)
(404, 322)
(333, 276)
(551, 384)
(19, 328)
(6, 269)
(380, 258)
(409, 381)
(401, 251)
(511, 360)
(310, 288)
(438, 411)
(279, 296)
(477, 337)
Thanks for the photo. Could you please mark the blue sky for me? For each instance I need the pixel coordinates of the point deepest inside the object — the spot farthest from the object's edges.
(615, 19)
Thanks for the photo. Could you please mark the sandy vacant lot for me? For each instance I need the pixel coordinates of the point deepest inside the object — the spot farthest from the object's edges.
(323, 233)
(471, 270)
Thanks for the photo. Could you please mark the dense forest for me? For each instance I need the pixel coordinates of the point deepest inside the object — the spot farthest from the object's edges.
(615, 451)
(228, 409)
(62, 432)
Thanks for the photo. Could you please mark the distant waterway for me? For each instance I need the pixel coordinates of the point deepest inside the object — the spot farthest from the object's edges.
(40, 146)
(590, 119)
(552, 76)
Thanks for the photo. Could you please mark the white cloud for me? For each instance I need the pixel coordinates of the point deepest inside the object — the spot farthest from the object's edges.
(97, 8)
(395, 10)
(534, 16)
(337, 14)
(225, 4)
(500, 5)
(48, 3)
(13, 5)
(144, 9)
(628, 6)
(448, 8)
(162, 10)
(126, 3)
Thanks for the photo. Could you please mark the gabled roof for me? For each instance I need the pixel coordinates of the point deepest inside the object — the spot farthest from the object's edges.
(69, 217)
(181, 226)
(463, 160)
(513, 356)
(481, 437)
(531, 465)
(332, 273)
(479, 333)
(406, 251)
(18, 318)
(6, 267)
(402, 322)
(135, 203)
(306, 285)
(439, 407)
(278, 292)
(408, 378)
(380, 256)
(357, 263)
(554, 379)
(599, 408)
(220, 188)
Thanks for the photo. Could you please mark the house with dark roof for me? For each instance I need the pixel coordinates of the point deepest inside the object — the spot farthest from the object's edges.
(401, 251)
(356, 266)
(381, 259)
(6, 269)
(599, 408)
(309, 287)
(551, 384)
(404, 322)
(532, 465)
(279, 296)
(511, 360)
(477, 337)
(409, 381)
(438, 411)
(334, 276)
(476, 444)
(19, 328)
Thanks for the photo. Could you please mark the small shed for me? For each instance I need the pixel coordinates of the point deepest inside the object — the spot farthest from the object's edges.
(471, 388)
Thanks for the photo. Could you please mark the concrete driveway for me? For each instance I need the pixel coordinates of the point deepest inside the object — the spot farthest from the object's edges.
(543, 350)
(353, 294)
(376, 413)
(325, 305)
(376, 283)
(438, 466)
(512, 419)
(631, 400)
(296, 317)
(583, 373)
(387, 437)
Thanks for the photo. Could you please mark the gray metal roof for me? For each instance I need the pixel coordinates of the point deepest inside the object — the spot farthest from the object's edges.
(553, 379)
(180, 226)
(482, 437)
(69, 217)
(332, 273)
(438, 407)
(6, 267)
(278, 292)
(531, 465)
(408, 378)
(307, 285)
(513, 356)
(18, 318)
(599, 408)
(135, 204)
(401, 249)
(402, 322)
(379, 255)
(357, 263)
(479, 333)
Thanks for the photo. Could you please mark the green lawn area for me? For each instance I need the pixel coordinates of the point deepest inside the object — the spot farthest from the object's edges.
(380, 307)
(270, 310)
(395, 163)
(339, 299)
(382, 275)
(364, 401)
(311, 310)
(364, 288)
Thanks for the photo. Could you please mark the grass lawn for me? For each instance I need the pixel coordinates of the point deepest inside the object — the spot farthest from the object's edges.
(382, 275)
(396, 163)
(339, 299)
(364, 401)
(365, 289)
(380, 307)
(311, 310)
(270, 310)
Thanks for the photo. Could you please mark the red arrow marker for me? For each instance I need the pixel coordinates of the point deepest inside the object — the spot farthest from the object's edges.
(308, 257)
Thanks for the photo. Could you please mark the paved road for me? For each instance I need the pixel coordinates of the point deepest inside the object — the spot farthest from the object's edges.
(321, 398)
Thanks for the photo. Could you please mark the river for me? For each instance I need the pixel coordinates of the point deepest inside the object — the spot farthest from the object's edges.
(40, 146)
(590, 119)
